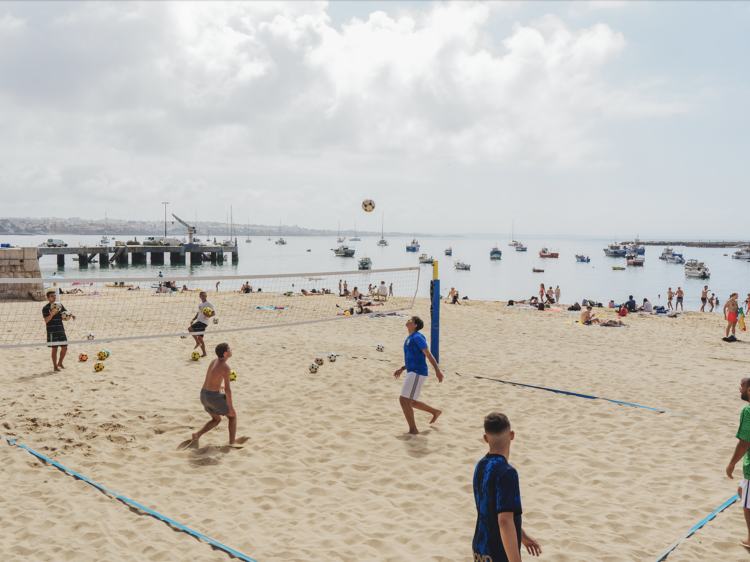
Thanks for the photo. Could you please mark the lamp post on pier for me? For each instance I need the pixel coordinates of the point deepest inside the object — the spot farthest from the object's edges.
(165, 203)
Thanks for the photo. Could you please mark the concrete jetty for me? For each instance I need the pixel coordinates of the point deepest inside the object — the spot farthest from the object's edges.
(191, 254)
(701, 244)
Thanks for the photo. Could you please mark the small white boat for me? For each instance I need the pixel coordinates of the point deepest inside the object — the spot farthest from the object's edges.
(742, 254)
(520, 247)
(281, 242)
(462, 266)
(344, 251)
(356, 238)
(424, 259)
(696, 269)
(635, 259)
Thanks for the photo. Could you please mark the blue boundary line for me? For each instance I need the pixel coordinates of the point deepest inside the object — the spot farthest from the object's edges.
(660, 410)
(167, 520)
(714, 513)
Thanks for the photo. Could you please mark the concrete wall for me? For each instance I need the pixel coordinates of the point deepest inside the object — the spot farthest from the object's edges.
(20, 263)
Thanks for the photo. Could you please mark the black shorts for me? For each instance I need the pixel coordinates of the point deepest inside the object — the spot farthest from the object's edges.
(199, 327)
(704, 300)
(587, 323)
(57, 337)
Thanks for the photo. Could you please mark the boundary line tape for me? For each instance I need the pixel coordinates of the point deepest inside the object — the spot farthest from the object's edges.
(123, 499)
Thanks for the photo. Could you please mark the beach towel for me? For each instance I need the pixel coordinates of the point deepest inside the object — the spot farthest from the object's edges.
(577, 323)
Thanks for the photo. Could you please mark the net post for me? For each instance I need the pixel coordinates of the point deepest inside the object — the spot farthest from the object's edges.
(435, 313)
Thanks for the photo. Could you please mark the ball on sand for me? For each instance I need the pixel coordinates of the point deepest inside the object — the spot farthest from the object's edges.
(83, 357)
(216, 320)
(195, 355)
(232, 375)
(184, 336)
(380, 347)
(368, 205)
(90, 336)
(99, 367)
(319, 360)
(102, 355)
(313, 367)
(332, 357)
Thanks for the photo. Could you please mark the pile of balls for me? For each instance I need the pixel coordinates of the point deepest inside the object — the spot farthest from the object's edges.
(102, 356)
(319, 361)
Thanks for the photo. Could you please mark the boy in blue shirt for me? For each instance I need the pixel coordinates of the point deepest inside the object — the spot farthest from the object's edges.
(499, 535)
(415, 353)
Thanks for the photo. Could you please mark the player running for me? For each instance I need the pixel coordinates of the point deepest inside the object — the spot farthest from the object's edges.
(215, 402)
(55, 330)
(415, 352)
(201, 324)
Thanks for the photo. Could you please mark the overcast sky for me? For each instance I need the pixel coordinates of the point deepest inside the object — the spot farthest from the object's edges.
(574, 118)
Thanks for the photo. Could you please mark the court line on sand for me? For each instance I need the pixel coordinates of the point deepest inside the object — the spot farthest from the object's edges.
(660, 410)
(702, 523)
(123, 499)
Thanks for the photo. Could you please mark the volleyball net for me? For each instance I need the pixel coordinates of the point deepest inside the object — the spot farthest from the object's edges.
(125, 308)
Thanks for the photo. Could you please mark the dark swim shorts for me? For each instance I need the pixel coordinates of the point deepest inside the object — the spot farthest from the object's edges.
(215, 402)
(587, 323)
(704, 300)
(199, 327)
(57, 337)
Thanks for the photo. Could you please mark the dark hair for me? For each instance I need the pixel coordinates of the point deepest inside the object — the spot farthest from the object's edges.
(221, 349)
(588, 307)
(418, 321)
(631, 297)
(496, 423)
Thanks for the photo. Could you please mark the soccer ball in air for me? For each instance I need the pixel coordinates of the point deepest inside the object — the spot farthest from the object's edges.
(380, 347)
(319, 360)
(90, 336)
(102, 355)
(232, 375)
(65, 315)
(56, 306)
(207, 310)
(195, 356)
(99, 367)
(216, 320)
(332, 357)
(368, 205)
(313, 367)
(83, 357)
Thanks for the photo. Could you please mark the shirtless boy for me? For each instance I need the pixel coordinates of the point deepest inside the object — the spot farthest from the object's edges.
(670, 296)
(587, 318)
(216, 403)
(704, 298)
(680, 297)
(731, 309)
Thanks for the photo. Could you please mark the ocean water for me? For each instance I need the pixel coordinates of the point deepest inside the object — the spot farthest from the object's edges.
(509, 278)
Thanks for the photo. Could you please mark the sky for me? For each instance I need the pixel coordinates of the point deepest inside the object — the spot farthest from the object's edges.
(606, 118)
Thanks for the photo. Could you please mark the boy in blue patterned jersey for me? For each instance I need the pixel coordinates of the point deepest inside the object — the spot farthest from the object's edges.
(416, 353)
(741, 452)
(499, 535)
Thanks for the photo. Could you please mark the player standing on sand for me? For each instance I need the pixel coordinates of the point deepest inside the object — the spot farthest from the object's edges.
(415, 352)
(741, 452)
(55, 330)
(499, 534)
(202, 322)
(731, 315)
(218, 403)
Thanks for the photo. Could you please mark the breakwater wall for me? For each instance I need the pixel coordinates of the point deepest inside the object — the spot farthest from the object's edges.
(702, 244)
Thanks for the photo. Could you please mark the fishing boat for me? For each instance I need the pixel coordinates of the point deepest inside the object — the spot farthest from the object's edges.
(618, 268)
(413, 247)
(675, 258)
(536, 270)
(635, 259)
(582, 259)
(344, 251)
(495, 253)
(637, 248)
(615, 251)
(365, 264)
(696, 269)
(356, 238)
(424, 259)
(741, 254)
(462, 266)
(520, 247)
(280, 241)
(449, 252)
(666, 252)
(382, 241)
(545, 253)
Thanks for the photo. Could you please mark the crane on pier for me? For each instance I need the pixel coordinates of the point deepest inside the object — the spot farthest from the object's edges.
(191, 229)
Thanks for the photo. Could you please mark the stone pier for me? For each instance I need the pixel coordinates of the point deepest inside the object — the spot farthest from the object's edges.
(138, 259)
(122, 257)
(103, 259)
(20, 263)
(157, 258)
(60, 260)
(176, 258)
(83, 260)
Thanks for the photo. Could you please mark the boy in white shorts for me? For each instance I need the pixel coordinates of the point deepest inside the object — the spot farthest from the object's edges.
(740, 451)
(415, 353)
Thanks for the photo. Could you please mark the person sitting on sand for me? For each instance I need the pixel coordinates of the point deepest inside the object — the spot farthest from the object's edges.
(499, 532)
(382, 291)
(346, 293)
(216, 403)
(75, 291)
(415, 353)
(356, 295)
(587, 318)
(631, 305)
(647, 307)
(550, 295)
(741, 452)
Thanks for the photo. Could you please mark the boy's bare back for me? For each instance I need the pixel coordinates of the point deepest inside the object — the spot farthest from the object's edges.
(218, 372)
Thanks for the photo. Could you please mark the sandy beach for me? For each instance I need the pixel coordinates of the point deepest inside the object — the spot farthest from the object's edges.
(328, 471)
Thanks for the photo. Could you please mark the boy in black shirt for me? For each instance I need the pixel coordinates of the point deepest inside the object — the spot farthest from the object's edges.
(55, 330)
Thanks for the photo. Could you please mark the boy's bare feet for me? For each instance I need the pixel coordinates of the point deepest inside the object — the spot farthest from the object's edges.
(436, 416)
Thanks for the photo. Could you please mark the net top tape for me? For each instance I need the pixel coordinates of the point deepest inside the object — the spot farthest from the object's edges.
(64, 280)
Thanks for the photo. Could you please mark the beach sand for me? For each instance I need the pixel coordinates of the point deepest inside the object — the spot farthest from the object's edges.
(328, 471)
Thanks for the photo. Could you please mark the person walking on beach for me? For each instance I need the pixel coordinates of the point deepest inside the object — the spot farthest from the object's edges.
(339, 286)
(557, 294)
(199, 323)
(499, 531)
(415, 353)
(680, 297)
(704, 298)
(383, 291)
(670, 296)
(55, 330)
(217, 403)
(390, 290)
(731, 310)
(541, 292)
(711, 301)
(741, 452)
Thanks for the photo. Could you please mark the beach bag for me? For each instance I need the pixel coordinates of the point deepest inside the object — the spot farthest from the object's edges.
(511, 303)
(575, 307)
(611, 304)
(540, 306)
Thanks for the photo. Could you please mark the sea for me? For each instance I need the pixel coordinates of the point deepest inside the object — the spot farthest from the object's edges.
(508, 278)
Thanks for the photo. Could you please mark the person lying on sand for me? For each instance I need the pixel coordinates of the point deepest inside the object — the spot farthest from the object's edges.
(613, 323)
(216, 403)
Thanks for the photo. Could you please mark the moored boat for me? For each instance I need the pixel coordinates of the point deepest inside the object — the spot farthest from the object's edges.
(696, 269)
(545, 253)
(449, 252)
(461, 265)
(618, 268)
(364, 263)
(635, 259)
(495, 253)
(520, 247)
(536, 270)
(424, 259)
(413, 247)
(615, 251)
(582, 259)
(343, 251)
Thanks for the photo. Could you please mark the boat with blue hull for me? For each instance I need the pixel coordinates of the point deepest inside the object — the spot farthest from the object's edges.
(495, 253)
(582, 259)
(449, 252)
(615, 251)
(413, 247)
